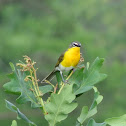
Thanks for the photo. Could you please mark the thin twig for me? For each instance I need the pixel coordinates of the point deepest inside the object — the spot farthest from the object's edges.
(70, 75)
(61, 88)
(49, 83)
(55, 88)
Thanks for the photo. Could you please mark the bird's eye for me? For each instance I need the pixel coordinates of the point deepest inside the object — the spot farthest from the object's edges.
(75, 44)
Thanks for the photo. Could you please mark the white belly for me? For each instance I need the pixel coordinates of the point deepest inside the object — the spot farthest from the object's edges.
(62, 68)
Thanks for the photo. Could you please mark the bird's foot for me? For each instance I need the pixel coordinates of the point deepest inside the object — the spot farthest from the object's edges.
(66, 82)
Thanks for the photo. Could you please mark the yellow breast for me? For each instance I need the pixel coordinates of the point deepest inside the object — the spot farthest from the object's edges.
(71, 57)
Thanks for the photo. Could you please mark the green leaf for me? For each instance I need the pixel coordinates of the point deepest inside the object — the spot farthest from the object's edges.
(85, 113)
(14, 123)
(93, 123)
(45, 89)
(78, 123)
(17, 85)
(117, 121)
(20, 115)
(77, 76)
(60, 105)
(89, 77)
(58, 77)
(12, 66)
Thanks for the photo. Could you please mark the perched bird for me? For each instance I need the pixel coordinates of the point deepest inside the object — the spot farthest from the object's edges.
(67, 61)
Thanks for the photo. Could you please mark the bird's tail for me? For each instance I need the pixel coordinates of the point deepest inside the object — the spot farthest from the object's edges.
(49, 77)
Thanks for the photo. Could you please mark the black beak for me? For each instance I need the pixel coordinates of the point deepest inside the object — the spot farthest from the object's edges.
(79, 45)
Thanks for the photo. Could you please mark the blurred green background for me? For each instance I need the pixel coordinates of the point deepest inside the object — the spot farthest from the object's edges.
(43, 29)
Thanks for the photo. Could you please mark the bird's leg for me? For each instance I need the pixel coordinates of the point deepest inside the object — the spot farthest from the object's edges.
(64, 81)
(61, 73)
(73, 70)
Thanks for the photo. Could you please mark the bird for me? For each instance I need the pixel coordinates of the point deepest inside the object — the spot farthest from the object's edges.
(67, 61)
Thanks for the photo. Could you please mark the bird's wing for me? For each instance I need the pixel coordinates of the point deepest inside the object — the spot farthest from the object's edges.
(60, 59)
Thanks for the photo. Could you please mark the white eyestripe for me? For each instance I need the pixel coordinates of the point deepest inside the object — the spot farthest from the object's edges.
(76, 43)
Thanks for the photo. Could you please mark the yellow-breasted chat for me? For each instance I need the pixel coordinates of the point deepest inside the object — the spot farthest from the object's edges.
(67, 61)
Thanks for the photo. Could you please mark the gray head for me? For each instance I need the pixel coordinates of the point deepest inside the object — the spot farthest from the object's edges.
(75, 44)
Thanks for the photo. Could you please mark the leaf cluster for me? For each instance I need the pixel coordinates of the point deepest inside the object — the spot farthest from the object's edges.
(61, 98)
